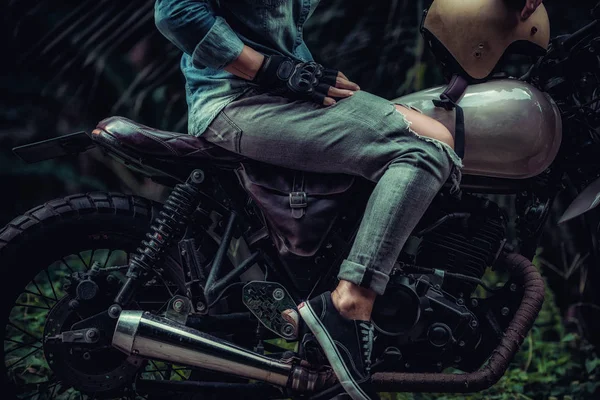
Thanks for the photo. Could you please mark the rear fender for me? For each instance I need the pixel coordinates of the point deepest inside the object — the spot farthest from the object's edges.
(586, 201)
(66, 145)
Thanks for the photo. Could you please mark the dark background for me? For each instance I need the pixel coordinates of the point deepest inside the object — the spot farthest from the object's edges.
(66, 64)
(69, 63)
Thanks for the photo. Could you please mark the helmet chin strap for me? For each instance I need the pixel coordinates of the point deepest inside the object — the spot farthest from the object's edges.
(449, 101)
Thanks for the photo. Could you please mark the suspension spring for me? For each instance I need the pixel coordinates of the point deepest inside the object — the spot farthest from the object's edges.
(168, 227)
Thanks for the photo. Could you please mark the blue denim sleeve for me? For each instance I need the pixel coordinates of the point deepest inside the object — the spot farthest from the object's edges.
(195, 29)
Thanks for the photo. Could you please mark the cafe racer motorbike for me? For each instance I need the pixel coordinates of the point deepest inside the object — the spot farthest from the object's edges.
(113, 295)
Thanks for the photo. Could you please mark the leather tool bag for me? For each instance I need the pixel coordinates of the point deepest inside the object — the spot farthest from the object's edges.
(299, 207)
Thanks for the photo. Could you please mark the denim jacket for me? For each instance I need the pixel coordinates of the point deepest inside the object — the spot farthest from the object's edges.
(212, 33)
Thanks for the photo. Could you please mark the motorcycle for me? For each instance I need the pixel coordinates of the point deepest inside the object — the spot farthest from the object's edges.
(114, 295)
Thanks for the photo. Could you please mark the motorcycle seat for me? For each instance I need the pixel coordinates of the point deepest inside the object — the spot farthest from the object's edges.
(123, 134)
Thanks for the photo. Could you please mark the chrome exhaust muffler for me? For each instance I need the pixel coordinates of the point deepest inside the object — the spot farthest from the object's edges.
(146, 335)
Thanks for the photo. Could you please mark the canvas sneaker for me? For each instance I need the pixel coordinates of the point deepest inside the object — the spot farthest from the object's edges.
(347, 344)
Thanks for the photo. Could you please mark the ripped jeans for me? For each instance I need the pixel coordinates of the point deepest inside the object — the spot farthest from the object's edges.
(362, 135)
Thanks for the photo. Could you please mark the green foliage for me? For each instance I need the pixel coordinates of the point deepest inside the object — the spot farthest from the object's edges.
(551, 365)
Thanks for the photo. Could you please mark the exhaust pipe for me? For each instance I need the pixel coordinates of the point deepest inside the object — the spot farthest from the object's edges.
(150, 336)
(146, 335)
(533, 297)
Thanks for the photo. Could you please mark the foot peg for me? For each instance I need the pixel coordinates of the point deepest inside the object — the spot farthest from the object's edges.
(273, 306)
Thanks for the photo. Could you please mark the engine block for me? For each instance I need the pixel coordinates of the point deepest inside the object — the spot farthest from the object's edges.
(425, 319)
(426, 328)
(462, 237)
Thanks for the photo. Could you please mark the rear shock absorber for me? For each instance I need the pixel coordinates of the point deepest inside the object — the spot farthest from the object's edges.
(168, 227)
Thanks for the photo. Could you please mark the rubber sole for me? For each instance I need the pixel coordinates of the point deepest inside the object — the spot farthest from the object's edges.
(331, 352)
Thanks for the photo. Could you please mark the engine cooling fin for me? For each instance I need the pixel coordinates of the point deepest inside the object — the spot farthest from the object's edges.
(467, 244)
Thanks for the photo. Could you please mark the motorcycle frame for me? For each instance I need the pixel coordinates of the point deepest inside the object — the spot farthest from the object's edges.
(237, 220)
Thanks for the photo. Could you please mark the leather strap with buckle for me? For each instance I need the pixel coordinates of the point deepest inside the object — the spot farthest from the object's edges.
(298, 197)
(449, 101)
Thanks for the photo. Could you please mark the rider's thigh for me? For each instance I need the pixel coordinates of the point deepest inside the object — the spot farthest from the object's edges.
(426, 126)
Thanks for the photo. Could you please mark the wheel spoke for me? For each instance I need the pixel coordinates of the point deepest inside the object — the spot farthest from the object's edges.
(83, 261)
(92, 257)
(110, 251)
(53, 386)
(25, 332)
(179, 373)
(53, 390)
(32, 306)
(67, 265)
(169, 370)
(24, 357)
(51, 284)
(172, 369)
(157, 369)
(17, 342)
(41, 294)
(20, 347)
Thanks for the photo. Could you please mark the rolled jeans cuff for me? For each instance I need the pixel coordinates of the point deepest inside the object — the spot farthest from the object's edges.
(363, 276)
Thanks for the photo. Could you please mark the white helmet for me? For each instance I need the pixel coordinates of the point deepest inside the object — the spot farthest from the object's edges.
(469, 37)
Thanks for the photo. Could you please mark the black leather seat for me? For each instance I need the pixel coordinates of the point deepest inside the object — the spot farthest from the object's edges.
(131, 137)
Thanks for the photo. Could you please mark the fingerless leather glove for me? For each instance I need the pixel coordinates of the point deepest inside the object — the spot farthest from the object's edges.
(296, 80)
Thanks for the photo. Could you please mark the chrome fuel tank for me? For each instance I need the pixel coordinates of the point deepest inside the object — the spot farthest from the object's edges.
(513, 130)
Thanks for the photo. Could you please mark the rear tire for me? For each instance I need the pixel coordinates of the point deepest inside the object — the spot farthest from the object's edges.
(47, 233)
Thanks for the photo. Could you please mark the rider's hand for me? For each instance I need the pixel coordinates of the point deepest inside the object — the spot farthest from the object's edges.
(303, 80)
(530, 7)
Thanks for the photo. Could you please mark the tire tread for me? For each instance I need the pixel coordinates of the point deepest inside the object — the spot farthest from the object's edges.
(73, 207)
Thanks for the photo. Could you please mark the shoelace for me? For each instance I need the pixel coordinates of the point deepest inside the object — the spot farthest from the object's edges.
(367, 330)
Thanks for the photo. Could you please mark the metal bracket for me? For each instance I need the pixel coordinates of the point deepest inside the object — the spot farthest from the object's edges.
(81, 336)
(179, 309)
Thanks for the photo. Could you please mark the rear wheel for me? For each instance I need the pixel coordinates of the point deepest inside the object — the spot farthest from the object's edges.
(39, 252)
